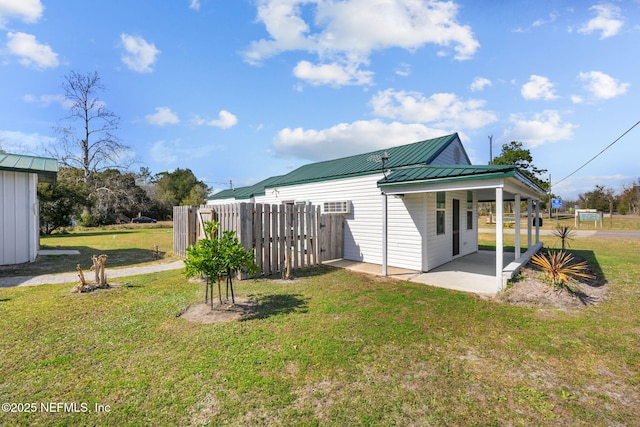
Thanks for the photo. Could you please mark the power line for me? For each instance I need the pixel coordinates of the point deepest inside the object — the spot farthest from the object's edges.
(605, 149)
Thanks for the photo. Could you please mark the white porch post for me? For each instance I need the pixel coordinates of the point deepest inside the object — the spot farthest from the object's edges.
(517, 226)
(499, 238)
(537, 221)
(529, 222)
(384, 234)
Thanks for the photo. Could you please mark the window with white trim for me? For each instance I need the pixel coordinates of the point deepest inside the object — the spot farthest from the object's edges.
(441, 204)
(469, 210)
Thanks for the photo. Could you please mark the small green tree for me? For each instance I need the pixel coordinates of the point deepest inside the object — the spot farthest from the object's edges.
(214, 257)
(235, 258)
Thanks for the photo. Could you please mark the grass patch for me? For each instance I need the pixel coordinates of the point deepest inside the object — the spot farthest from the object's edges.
(618, 222)
(331, 348)
(125, 245)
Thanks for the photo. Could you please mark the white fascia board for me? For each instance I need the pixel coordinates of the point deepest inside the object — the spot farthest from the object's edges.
(434, 186)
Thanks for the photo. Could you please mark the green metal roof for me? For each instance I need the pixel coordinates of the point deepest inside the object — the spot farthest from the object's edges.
(247, 192)
(45, 167)
(423, 152)
(417, 174)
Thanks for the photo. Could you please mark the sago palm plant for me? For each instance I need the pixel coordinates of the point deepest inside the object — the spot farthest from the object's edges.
(561, 268)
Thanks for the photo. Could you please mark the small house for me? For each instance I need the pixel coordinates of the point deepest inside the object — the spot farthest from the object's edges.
(413, 206)
(19, 208)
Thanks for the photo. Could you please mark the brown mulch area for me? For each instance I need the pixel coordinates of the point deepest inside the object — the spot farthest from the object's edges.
(203, 313)
(532, 289)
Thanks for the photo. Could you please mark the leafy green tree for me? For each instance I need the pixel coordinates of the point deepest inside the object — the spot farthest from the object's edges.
(513, 153)
(59, 201)
(629, 200)
(178, 188)
(600, 198)
(214, 257)
(115, 192)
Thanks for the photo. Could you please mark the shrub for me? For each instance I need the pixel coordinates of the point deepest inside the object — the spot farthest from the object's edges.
(216, 256)
(561, 268)
(564, 233)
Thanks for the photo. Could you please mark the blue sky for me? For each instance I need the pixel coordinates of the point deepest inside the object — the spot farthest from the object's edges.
(246, 89)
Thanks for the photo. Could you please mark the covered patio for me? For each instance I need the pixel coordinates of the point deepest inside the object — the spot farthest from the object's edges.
(492, 183)
(473, 273)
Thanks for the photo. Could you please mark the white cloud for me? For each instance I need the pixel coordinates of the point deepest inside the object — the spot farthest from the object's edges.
(162, 116)
(347, 32)
(225, 120)
(30, 52)
(445, 110)
(538, 87)
(194, 4)
(347, 139)
(332, 74)
(540, 22)
(139, 55)
(46, 100)
(17, 142)
(28, 11)
(540, 129)
(608, 21)
(479, 83)
(602, 85)
(403, 70)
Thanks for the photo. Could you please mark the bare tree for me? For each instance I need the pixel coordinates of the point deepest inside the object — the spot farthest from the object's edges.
(88, 137)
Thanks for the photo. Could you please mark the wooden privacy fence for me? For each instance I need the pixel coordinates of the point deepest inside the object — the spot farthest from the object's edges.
(298, 235)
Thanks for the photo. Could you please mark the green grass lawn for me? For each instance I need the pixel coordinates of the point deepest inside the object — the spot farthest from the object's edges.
(332, 348)
(618, 222)
(126, 246)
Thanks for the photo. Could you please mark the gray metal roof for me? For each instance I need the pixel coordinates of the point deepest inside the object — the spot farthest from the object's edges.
(45, 167)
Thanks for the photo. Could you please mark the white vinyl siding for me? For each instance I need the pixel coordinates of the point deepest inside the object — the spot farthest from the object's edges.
(406, 231)
(19, 226)
(363, 225)
(439, 248)
(454, 154)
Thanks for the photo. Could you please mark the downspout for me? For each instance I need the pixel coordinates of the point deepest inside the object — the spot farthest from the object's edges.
(384, 234)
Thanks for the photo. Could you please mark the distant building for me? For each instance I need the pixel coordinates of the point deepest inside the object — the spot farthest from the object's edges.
(19, 207)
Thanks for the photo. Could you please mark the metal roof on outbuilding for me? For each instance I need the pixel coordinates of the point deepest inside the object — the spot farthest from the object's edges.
(247, 192)
(46, 168)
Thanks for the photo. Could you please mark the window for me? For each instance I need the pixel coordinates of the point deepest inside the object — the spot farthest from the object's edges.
(441, 203)
(469, 210)
(342, 206)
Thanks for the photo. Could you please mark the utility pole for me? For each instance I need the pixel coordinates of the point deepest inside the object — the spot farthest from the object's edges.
(490, 149)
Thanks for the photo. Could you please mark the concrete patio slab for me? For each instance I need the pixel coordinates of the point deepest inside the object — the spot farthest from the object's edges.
(475, 273)
(58, 252)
